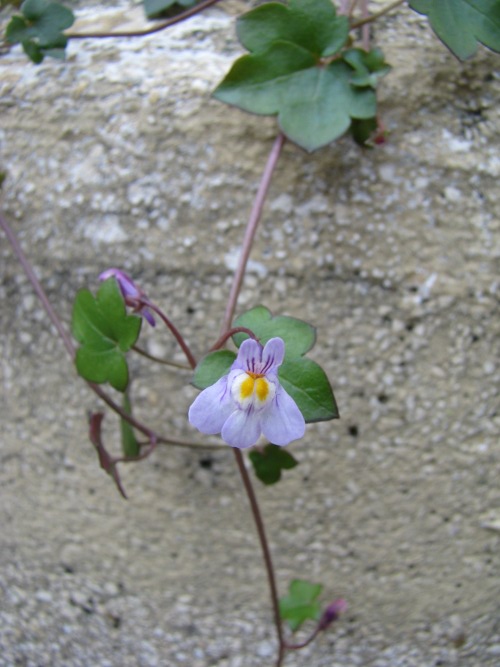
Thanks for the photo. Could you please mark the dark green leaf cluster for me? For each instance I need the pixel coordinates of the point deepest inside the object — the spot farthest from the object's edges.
(301, 603)
(299, 67)
(40, 29)
(461, 24)
(269, 462)
(105, 333)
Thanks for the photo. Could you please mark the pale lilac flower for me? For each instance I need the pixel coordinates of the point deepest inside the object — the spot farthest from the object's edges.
(133, 295)
(250, 401)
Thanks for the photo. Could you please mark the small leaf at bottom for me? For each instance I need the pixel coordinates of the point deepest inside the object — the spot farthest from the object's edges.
(269, 463)
(300, 604)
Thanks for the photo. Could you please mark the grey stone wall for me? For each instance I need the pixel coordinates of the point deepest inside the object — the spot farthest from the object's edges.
(118, 157)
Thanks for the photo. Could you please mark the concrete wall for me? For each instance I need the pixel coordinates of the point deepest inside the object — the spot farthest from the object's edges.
(118, 157)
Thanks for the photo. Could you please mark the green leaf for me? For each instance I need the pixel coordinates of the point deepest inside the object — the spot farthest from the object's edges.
(258, 82)
(158, 8)
(369, 66)
(314, 104)
(300, 604)
(307, 384)
(212, 367)
(363, 131)
(311, 24)
(269, 463)
(17, 30)
(130, 446)
(40, 29)
(295, 70)
(461, 24)
(105, 332)
(298, 336)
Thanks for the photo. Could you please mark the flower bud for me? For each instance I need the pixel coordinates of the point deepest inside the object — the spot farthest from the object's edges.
(332, 612)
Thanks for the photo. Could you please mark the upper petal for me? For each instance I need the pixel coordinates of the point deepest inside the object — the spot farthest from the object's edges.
(273, 354)
(249, 356)
(283, 421)
(242, 429)
(211, 408)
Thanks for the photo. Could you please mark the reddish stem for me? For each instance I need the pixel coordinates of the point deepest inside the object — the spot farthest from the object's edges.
(182, 343)
(235, 330)
(259, 524)
(253, 223)
(248, 239)
(148, 31)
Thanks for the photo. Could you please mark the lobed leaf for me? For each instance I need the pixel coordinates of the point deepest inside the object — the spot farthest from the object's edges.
(40, 29)
(300, 604)
(269, 463)
(296, 69)
(105, 331)
(461, 24)
(298, 336)
(315, 105)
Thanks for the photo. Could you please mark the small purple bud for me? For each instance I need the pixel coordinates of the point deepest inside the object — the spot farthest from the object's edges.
(332, 612)
(127, 286)
(133, 295)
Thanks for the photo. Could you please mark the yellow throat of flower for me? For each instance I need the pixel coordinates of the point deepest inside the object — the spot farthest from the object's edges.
(254, 383)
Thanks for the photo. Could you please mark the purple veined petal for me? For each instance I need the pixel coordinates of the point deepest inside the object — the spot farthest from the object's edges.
(273, 354)
(211, 408)
(283, 421)
(249, 356)
(242, 429)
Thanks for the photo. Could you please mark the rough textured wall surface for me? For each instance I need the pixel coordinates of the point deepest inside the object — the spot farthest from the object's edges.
(118, 157)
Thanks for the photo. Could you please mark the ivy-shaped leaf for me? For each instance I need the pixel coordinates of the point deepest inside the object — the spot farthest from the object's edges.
(296, 70)
(269, 463)
(461, 24)
(40, 29)
(298, 336)
(105, 332)
(300, 604)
